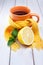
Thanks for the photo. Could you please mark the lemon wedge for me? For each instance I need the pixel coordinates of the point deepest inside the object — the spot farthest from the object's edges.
(26, 36)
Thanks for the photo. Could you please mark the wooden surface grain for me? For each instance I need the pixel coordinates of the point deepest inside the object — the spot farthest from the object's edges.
(22, 56)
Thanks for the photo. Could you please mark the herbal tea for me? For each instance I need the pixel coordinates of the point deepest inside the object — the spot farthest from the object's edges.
(20, 12)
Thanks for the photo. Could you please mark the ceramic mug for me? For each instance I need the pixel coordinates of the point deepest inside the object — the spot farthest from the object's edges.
(19, 13)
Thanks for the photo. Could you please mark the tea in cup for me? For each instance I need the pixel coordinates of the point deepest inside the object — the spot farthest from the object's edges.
(20, 13)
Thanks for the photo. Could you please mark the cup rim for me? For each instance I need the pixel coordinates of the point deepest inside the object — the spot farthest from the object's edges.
(13, 8)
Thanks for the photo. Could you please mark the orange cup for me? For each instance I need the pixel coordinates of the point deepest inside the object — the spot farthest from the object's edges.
(19, 13)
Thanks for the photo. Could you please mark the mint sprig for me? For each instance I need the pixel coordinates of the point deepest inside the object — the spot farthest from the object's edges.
(11, 41)
(13, 38)
(14, 33)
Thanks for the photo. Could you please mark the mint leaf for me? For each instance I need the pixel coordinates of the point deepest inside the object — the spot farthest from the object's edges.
(11, 41)
(13, 38)
(14, 33)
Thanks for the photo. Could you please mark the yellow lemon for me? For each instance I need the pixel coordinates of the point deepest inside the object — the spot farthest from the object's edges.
(26, 36)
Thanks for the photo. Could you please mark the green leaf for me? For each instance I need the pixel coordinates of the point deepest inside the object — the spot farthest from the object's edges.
(14, 33)
(11, 41)
(13, 38)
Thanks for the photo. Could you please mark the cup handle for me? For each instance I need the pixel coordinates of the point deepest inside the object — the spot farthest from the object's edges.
(34, 14)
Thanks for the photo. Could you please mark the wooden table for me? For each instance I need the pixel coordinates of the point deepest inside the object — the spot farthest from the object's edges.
(21, 57)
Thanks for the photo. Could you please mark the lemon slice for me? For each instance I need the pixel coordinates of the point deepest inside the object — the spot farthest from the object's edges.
(26, 36)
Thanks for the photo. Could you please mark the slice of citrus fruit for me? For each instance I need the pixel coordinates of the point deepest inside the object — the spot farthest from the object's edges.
(26, 36)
